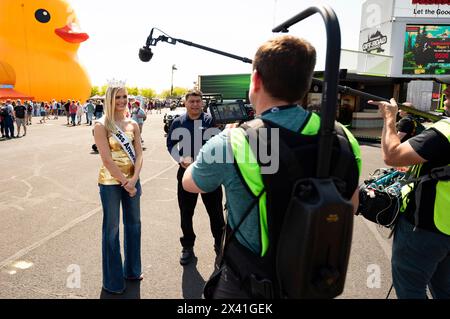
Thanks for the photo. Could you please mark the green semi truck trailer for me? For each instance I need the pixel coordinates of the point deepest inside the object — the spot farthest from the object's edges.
(230, 86)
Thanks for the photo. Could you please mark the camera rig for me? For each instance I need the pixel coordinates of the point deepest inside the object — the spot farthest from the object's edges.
(226, 113)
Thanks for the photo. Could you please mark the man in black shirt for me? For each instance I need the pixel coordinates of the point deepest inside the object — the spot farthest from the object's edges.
(421, 247)
(188, 133)
(29, 116)
(98, 110)
(67, 110)
(20, 111)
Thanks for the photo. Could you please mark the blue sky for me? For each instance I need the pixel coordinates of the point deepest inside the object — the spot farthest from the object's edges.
(119, 28)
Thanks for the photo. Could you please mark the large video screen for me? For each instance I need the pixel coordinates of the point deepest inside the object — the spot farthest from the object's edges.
(427, 50)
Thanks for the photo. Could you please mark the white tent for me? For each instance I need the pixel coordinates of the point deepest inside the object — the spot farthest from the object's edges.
(97, 97)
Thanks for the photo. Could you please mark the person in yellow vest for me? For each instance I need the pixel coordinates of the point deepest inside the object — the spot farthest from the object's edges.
(421, 247)
(282, 74)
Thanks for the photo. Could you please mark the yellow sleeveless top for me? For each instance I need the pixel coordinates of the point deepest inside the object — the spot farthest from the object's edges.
(121, 159)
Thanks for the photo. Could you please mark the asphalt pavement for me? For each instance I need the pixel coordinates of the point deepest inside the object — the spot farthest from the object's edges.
(51, 217)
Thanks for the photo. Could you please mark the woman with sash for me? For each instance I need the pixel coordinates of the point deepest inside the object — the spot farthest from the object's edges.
(119, 143)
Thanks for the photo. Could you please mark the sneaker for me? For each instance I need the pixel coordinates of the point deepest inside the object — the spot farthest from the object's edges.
(187, 254)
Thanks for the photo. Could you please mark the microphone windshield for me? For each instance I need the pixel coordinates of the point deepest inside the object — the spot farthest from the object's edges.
(145, 54)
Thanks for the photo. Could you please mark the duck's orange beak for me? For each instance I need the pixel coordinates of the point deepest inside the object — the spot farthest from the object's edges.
(68, 34)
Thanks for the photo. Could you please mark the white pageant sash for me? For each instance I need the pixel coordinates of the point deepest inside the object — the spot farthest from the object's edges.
(126, 144)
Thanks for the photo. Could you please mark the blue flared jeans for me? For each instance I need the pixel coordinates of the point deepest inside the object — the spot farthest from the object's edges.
(114, 273)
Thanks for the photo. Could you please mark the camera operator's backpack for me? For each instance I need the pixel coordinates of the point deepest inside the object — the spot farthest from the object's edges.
(308, 243)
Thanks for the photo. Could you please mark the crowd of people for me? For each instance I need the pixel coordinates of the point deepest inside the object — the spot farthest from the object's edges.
(16, 115)
(14, 112)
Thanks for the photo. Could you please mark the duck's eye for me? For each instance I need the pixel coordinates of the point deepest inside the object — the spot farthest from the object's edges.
(42, 15)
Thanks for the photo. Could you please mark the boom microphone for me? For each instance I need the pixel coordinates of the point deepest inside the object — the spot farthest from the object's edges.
(145, 53)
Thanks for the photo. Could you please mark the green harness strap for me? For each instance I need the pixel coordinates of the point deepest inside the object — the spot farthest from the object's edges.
(442, 201)
(251, 171)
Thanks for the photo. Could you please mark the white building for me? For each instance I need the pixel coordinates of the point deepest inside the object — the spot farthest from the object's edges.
(407, 39)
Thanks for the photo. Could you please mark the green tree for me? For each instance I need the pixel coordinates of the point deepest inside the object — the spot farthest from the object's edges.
(165, 94)
(148, 93)
(95, 90)
(177, 92)
(133, 90)
(103, 90)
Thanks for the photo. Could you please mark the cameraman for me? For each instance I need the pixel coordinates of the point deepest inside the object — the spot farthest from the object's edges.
(282, 74)
(421, 247)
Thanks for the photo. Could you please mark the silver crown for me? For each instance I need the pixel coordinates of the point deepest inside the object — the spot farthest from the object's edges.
(116, 83)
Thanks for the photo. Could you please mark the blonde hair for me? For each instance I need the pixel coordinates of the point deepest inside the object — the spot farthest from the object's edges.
(110, 108)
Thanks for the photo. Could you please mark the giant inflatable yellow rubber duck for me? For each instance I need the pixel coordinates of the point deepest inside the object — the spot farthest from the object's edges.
(39, 39)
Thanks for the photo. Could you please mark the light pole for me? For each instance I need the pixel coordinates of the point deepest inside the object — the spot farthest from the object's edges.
(171, 86)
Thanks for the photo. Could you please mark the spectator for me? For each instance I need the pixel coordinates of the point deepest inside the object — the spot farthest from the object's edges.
(29, 117)
(9, 120)
(43, 112)
(98, 110)
(90, 109)
(80, 112)
(67, 110)
(138, 115)
(73, 108)
(55, 109)
(3, 114)
(20, 111)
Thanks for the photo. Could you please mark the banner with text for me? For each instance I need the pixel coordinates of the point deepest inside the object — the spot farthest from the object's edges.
(422, 8)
